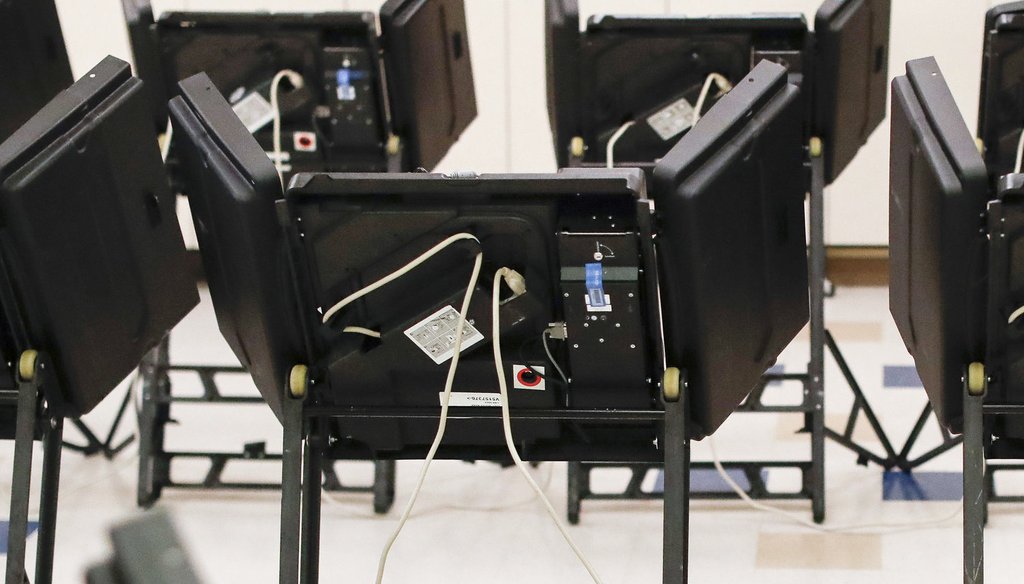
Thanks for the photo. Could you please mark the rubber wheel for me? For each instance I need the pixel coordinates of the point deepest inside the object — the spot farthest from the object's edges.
(976, 378)
(816, 147)
(298, 380)
(394, 144)
(27, 365)
(670, 384)
(577, 147)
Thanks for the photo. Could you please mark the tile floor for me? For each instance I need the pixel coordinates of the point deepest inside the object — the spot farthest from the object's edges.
(478, 523)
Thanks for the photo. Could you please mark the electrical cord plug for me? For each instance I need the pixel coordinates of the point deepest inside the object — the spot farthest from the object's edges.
(515, 281)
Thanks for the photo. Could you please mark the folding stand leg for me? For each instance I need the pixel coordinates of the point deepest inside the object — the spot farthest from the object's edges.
(291, 492)
(21, 481)
(816, 368)
(154, 383)
(52, 447)
(974, 487)
(676, 527)
(312, 483)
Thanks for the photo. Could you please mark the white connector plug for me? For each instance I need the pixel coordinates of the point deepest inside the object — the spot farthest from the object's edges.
(516, 282)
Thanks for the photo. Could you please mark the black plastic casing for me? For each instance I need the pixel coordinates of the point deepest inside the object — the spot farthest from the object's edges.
(624, 68)
(233, 188)
(731, 245)
(34, 63)
(427, 88)
(90, 239)
(348, 230)
(621, 67)
(851, 76)
(430, 74)
(1001, 111)
(938, 194)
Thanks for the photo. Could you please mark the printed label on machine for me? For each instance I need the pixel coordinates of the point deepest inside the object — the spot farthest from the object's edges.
(255, 111)
(435, 335)
(672, 120)
(461, 399)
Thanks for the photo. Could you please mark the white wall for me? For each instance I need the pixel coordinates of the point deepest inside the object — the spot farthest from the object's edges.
(507, 47)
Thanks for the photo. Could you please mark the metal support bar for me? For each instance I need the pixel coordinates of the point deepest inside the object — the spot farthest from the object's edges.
(312, 479)
(52, 446)
(21, 481)
(974, 487)
(33, 421)
(93, 445)
(676, 519)
(814, 389)
(291, 491)
(861, 405)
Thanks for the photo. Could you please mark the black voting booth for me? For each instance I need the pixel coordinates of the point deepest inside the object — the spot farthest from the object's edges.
(583, 239)
(956, 282)
(393, 99)
(93, 273)
(634, 83)
(1000, 121)
(33, 60)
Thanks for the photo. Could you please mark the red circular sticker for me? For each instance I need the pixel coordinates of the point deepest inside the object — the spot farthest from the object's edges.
(528, 378)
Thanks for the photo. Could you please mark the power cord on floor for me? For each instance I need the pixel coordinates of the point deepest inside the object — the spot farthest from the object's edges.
(506, 421)
(443, 418)
(871, 528)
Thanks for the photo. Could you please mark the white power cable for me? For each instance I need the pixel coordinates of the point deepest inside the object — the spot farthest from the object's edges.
(1015, 315)
(359, 330)
(165, 146)
(724, 86)
(297, 82)
(610, 150)
(1020, 153)
(395, 275)
(506, 421)
(880, 528)
(442, 419)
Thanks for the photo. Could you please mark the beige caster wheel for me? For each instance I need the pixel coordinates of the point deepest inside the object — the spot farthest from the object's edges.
(394, 144)
(976, 378)
(981, 145)
(27, 365)
(816, 147)
(671, 384)
(577, 147)
(298, 381)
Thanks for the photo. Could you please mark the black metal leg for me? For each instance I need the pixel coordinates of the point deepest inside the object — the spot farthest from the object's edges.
(154, 382)
(109, 449)
(52, 445)
(675, 555)
(974, 488)
(291, 492)
(815, 387)
(573, 502)
(383, 486)
(311, 493)
(21, 481)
